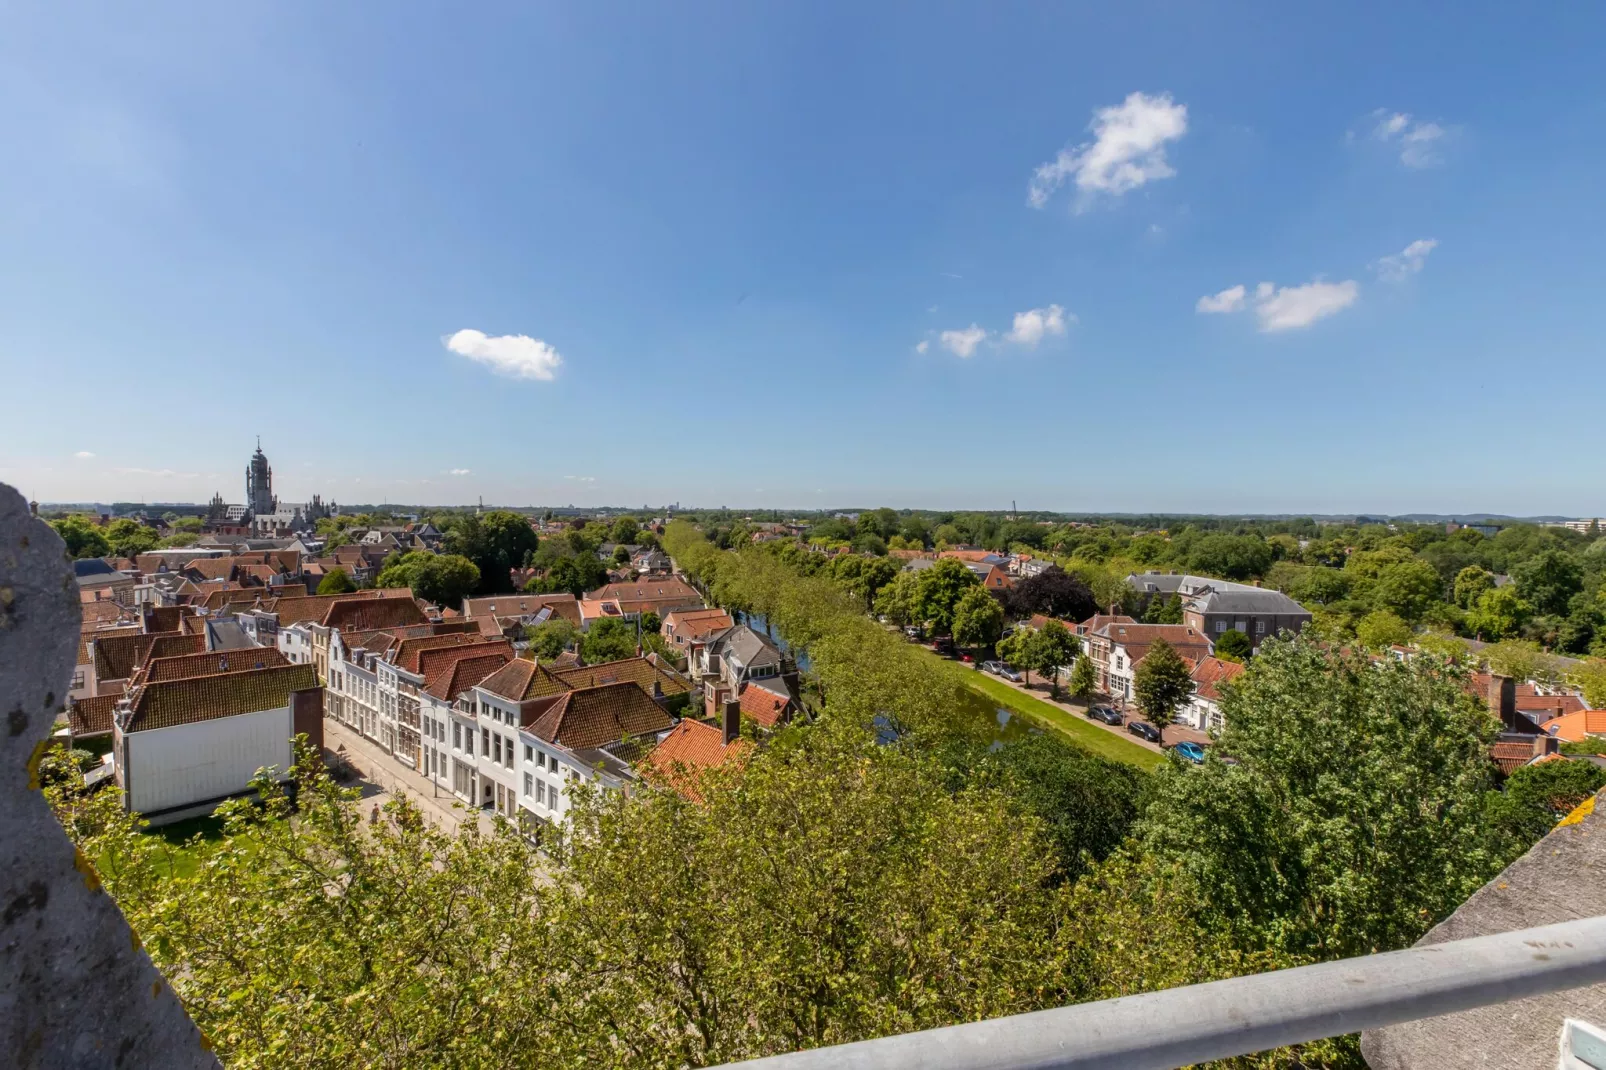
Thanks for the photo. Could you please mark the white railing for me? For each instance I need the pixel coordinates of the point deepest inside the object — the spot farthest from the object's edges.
(1182, 1026)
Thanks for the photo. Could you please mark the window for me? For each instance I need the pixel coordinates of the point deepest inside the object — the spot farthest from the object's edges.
(1260, 627)
(540, 760)
(529, 784)
(553, 799)
(457, 736)
(485, 742)
(498, 758)
(507, 754)
(1221, 626)
(529, 755)
(540, 792)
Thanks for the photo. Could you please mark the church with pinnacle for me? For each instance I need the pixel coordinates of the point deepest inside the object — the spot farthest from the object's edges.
(262, 510)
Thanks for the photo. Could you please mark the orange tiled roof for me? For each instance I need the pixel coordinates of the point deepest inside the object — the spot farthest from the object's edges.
(765, 707)
(92, 716)
(449, 677)
(1099, 620)
(408, 650)
(1573, 727)
(523, 605)
(521, 680)
(428, 659)
(638, 671)
(1511, 755)
(1211, 672)
(103, 611)
(689, 749)
(594, 716)
(205, 698)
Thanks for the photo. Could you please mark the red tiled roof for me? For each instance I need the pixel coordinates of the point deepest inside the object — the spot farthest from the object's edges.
(315, 606)
(521, 680)
(694, 624)
(689, 749)
(92, 716)
(1211, 672)
(209, 663)
(594, 716)
(1511, 755)
(428, 660)
(765, 707)
(393, 611)
(523, 605)
(1099, 620)
(174, 644)
(103, 611)
(638, 671)
(408, 650)
(205, 698)
(117, 656)
(468, 666)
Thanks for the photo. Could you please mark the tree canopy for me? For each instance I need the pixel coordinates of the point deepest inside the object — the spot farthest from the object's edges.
(496, 542)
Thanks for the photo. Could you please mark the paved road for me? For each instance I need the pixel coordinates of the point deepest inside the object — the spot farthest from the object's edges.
(383, 777)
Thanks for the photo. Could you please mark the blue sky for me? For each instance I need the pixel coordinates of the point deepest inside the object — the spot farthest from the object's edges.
(790, 255)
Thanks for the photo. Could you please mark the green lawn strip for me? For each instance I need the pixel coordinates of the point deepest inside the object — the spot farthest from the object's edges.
(1095, 739)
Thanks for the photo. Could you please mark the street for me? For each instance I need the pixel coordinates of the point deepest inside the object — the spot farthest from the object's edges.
(383, 777)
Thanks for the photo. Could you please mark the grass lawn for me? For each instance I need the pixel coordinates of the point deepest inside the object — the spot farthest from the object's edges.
(183, 855)
(1104, 744)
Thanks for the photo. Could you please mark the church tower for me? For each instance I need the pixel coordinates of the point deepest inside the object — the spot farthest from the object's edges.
(259, 498)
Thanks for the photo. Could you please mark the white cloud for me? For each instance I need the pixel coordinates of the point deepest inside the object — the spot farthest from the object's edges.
(1293, 307)
(1031, 325)
(83, 455)
(582, 479)
(1417, 141)
(963, 343)
(922, 346)
(1228, 300)
(1287, 308)
(1407, 262)
(458, 472)
(517, 356)
(1127, 150)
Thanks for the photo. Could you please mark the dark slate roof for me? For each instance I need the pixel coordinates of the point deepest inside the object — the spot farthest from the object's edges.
(1561, 878)
(746, 646)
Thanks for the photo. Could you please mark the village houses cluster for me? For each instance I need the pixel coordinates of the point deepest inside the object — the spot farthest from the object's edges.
(199, 666)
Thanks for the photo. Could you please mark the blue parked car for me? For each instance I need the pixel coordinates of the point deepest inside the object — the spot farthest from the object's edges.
(1191, 751)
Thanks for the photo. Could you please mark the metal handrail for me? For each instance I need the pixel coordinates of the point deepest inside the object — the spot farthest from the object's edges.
(1181, 1026)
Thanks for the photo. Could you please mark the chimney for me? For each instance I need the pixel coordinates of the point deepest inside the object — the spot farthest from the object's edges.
(1502, 699)
(732, 720)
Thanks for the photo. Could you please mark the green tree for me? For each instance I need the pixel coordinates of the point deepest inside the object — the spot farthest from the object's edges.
(941, 586)
(1353, 819)
(1590, 678)
(978, 619)
(1536, 796)
(608, 639)
(496, 543)
(621, 555)
(1406, 589)
(551, 637)
(1470, 583)
(1548, 580)
(1161, 683)
(1497, 614)
(1380, 629)
(625, 530)
(1233, 645)
(126, 538)
(1015, 650)
(1050, 650)
(573, 574)
(446, 579)
(336, 582)
(1083, 680)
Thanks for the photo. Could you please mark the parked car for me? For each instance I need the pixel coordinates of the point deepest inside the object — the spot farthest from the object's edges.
(1105, 714)
(1145, 730)
(1009, 674)
(912, 631)
(1190, 750)
(966, 658)
(991, 666)
(945, 647)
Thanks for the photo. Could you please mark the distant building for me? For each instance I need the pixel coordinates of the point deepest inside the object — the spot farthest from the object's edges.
(1214, 607)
